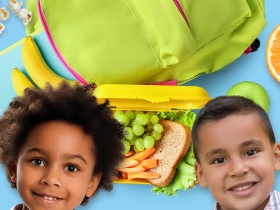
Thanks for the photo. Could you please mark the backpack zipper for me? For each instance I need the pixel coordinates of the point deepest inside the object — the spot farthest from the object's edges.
(60, 57)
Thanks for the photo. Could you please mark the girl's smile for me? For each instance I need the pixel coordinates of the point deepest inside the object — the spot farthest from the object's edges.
(55, 167)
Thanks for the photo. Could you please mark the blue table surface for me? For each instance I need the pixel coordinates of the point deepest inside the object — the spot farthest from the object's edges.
(251, 67)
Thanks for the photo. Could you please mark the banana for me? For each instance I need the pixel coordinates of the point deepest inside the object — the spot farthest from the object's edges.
(20, 82)
(36, 66)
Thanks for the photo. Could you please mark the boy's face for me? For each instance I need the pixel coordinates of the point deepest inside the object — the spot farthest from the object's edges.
(237, 161)
(55, 166)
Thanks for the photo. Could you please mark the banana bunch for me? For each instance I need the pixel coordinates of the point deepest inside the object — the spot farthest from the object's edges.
(20, 81)
(37, 69)
(36, 66)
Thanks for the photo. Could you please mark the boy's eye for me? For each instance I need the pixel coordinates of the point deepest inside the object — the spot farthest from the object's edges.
(219, 160)
(37, 162)
(71, 168)
(251, 152)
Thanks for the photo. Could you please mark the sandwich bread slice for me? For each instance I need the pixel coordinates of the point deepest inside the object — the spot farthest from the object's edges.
(170, 149)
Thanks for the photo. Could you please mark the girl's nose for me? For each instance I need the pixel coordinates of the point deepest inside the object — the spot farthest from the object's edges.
(51, 177)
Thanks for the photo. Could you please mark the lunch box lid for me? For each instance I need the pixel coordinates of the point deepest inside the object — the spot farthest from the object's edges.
(152, 97)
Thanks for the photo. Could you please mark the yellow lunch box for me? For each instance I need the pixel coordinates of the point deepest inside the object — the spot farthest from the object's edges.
(151, 98)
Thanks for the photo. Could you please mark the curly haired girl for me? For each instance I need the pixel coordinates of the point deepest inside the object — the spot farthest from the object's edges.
(59, 147)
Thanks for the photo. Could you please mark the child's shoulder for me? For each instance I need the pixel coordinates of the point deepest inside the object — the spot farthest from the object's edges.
(274, 200)
(17, 207)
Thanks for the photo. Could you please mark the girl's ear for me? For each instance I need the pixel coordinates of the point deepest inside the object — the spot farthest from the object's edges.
(200, 175)
(277, 156)
(93, 184)
(13, 172)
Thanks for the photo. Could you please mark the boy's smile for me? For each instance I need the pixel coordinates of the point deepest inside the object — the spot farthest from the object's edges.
(237, 161)
(55, 167)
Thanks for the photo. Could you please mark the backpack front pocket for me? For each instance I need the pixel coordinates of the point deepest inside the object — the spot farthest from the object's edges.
(209, 19)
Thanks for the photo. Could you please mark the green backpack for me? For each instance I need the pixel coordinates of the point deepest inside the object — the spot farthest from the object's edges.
(143, 41)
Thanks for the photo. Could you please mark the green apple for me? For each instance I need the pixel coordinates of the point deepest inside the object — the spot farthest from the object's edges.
(253, 91)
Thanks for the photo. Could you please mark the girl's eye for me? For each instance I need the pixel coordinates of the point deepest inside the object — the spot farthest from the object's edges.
(71, 168)
(37, 162)
(251, 152)
(219, 160)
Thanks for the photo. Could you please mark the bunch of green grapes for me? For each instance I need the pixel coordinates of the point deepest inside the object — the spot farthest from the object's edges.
(141, 129)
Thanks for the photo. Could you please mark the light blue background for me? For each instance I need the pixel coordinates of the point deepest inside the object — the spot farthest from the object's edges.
(251, 67)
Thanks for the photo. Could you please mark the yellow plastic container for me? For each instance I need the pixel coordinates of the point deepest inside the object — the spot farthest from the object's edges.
(151, 98)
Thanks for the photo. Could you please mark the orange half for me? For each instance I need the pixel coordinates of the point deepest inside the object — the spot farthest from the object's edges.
(273, 54)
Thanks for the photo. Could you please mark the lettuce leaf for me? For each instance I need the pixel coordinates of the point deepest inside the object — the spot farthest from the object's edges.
(185, 176)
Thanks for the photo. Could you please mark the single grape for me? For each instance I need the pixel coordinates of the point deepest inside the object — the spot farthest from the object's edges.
(148, 142)
(128, 133)
(156, 135)
(138, 112)
(117, 114)
(141, 119)
(151, 113)
(133, 122)
(132, 141)
(139, 144)
(148, 116)
(158, 128)
(154, 119)
(138, 130)
(123, 119)
(130, 114)
(135, 149)
(126, 145)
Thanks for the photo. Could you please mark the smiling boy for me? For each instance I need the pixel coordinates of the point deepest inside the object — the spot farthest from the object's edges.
(236, 154)
(54, 144)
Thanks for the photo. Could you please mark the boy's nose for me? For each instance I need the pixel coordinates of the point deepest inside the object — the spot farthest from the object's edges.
(238, 167)
(51, 177)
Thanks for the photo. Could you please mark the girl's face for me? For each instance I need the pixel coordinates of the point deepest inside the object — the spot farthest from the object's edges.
(55, 167)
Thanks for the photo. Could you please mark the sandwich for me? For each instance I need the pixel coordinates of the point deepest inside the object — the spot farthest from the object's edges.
(169, 150)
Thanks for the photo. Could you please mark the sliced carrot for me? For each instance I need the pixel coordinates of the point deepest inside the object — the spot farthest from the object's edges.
(124, 175)
(127, 162)
(130, 153)
(144, 154)
(147, 163)
(132, 170)
(143, 175)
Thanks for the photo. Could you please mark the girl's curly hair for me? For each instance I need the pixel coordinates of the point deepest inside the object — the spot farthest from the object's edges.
(71, 104)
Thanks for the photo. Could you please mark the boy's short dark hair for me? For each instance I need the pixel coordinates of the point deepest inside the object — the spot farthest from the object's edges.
(71, 104)
(223, 106)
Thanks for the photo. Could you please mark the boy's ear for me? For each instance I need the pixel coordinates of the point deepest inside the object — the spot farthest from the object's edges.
(200, 175)
(93, 184)
(13, 172)
(277, 157)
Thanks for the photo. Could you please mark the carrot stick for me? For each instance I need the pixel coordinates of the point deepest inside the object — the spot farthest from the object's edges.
(143, 175)
(147, 164)
(127, 162)
(143, 155)
(130, 153)
(132, 170)
(124, 175)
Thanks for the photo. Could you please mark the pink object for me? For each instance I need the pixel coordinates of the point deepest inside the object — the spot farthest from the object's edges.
(248, 50)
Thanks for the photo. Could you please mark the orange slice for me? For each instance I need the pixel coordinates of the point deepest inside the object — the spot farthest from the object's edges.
(273, 53)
